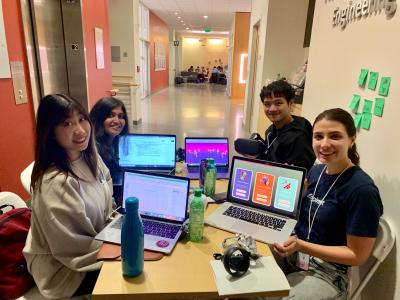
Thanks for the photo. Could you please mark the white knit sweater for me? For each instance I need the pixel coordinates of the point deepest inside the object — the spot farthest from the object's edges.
(66, 216)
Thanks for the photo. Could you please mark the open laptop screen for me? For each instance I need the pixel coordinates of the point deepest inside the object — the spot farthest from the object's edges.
(160, 196)
(269, 186)
(197, 149)
(147, 151)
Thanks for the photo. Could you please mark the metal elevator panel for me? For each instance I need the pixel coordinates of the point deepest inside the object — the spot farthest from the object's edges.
(58, 31)
(74, 50)
(49, 36)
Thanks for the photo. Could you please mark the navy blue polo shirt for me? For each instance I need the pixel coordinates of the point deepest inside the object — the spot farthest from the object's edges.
(352, 207)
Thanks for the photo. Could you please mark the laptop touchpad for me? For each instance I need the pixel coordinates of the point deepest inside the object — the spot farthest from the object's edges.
(244, 228)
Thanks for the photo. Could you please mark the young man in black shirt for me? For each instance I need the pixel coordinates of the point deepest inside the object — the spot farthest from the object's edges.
(289, 138)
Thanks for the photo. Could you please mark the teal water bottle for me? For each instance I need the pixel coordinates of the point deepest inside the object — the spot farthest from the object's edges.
(132, 239)
(210, 178)
(196, 217)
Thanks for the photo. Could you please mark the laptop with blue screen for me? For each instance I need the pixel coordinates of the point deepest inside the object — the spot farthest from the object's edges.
(198, 148)
(163, 201)
(262, 201)
(146, 152)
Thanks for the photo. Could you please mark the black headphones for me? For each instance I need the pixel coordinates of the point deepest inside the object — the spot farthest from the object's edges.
(236, 261)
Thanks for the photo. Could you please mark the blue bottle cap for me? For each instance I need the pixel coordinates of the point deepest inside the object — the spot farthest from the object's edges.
(131, 203)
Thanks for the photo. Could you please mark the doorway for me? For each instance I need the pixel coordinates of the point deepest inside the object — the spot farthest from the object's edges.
(144, 69)
(54, 28)
(248, 114)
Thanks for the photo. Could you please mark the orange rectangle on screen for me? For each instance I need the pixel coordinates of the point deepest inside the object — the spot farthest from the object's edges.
(263, 186)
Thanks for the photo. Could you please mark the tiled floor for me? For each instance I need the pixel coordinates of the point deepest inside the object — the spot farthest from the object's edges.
(192, 110)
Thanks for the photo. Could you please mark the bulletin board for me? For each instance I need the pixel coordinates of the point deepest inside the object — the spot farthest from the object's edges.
(4, 61)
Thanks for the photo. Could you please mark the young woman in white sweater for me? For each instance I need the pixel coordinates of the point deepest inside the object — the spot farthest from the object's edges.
(71, 200)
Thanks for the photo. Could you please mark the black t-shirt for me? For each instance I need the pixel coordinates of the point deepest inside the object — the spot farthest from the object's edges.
(353, 206)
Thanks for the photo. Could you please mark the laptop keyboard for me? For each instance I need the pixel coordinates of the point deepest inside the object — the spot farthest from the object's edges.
(255, 217)
(154, 228)
(160, 229)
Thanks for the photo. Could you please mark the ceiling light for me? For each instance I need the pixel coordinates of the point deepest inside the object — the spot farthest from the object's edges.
(179, 17)
(181, 21)
(205, 17)
(191, 40)
(187, 28)
(176, 13)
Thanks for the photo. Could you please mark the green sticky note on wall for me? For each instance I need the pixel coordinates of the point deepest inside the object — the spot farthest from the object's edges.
(384, 86)
(367, 106)
(362, 78)
(373, 80)
(366, 120)
(378, 108)
(357, 120)
(355, 102)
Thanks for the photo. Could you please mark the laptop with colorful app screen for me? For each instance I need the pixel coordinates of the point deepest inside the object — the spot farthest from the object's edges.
(262, 201)
(163, 201)
(146, 152)
(198, 148)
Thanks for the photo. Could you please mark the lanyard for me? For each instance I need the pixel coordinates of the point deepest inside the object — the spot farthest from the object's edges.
(311, 223)
(268, 143)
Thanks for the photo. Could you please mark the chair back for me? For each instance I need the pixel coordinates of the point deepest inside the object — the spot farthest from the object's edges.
(26, 177)
(359, 276)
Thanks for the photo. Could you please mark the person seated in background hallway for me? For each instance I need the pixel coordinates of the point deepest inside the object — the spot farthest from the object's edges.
(214, 70)
(339, 215)
(288, 139)
(191, 69)
(109, 120)
(197, 69)
(71, 200)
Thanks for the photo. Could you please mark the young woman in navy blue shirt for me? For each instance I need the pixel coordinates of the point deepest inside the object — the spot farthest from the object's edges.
(339, 214)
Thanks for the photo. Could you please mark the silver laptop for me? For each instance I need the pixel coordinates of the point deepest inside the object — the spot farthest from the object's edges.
(146, 152)
(198, 148)
(263, 200)
(163, 201)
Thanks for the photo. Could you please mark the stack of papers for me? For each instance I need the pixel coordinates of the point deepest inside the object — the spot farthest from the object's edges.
(265, 276)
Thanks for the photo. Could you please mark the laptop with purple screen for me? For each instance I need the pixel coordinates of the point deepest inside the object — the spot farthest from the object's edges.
(198, 148)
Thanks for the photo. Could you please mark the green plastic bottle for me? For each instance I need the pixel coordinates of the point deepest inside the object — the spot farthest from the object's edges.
(210, 178)
(196, 217)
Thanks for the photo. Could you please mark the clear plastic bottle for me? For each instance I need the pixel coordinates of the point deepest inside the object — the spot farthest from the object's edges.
(196, 217)
(210, 178)
(132, 239)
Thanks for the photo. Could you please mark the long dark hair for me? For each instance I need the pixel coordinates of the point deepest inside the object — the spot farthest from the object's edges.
(343, 117)
(99, 113)
(53, 110)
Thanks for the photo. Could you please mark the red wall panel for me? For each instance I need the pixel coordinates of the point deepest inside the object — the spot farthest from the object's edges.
(17, 122)
(99, 81)
(159, 32)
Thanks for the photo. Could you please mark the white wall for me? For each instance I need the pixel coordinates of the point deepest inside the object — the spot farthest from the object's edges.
(282, 27)
(335, 59)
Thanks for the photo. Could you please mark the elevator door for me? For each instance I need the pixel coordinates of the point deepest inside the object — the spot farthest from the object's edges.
(57, 27)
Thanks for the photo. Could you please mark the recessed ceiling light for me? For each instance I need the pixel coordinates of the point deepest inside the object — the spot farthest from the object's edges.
(187, 28)
(205, 17)
(176, 13)
(179, 17)
(181, 21)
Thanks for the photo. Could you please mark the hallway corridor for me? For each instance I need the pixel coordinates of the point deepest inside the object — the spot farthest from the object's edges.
(192, 110)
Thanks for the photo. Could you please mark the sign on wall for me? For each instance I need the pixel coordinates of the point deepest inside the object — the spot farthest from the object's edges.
(4, 62)
(357, 10)
(160, 60)
(98, 33)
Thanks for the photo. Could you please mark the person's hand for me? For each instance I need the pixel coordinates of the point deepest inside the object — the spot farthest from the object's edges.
(289, 247)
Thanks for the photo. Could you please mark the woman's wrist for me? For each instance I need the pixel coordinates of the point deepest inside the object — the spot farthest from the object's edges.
(300, 245)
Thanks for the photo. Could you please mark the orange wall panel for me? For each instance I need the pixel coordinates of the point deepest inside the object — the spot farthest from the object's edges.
(99, 81)
(159, 32)
(241, 42)
(17, 122)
